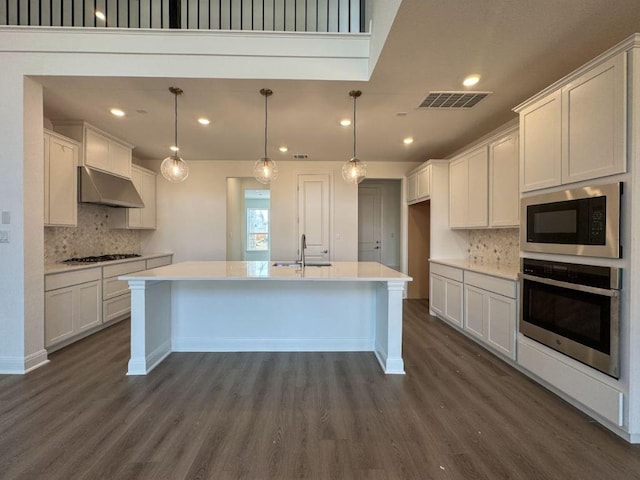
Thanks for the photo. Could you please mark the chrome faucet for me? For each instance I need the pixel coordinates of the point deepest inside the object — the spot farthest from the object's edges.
(303, 245)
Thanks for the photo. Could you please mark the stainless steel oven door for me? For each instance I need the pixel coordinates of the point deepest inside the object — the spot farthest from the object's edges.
(578, 320)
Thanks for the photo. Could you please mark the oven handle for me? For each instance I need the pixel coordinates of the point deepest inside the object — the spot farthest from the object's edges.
(571, 286)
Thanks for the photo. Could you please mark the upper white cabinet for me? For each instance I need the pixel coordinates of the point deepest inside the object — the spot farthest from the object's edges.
(483, 184)
(504, 205)
(60, 180)
(419, 184)
(468, 190)
(576, 131)
(101, 150)
(143, 218)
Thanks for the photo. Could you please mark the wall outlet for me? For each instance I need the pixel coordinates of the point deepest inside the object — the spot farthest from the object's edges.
(4, 236)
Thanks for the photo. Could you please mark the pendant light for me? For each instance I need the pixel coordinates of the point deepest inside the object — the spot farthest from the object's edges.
(265, 170)
(355, 170)
(174, 168)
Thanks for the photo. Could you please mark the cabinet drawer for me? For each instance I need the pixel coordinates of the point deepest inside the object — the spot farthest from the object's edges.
(447, 271)
(116, 308)
(158, 262)
(123, 268)
(66, 279)
(500, 286)
(112, 287)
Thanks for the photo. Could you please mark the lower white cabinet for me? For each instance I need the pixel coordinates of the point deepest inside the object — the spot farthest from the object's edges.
(484, 306)
(446, 293)
(115, 293)
(73, 304)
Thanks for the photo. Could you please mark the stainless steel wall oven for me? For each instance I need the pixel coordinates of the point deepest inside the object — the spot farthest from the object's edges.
(573, 309)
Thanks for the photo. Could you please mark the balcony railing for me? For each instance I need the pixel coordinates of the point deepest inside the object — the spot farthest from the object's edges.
(266, 15)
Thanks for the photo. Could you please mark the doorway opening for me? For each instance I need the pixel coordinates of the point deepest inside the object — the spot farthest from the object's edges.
(379, 213)
(248, 220)
(418, 235)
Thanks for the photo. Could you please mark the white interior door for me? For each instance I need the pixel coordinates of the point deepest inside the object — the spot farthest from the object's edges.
(313, 215)
(369, 224)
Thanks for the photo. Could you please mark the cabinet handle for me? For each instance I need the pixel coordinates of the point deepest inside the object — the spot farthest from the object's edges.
(325, 251)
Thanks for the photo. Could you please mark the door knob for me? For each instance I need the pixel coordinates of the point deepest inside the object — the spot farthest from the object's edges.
(325, 251)
(376, 248)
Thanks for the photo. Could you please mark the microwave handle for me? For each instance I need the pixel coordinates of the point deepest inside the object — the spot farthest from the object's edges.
(570, 286)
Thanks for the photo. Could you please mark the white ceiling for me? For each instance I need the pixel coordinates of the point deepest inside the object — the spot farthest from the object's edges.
(519, 47)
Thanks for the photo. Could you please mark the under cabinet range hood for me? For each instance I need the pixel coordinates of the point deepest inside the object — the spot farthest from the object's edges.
(103, 188)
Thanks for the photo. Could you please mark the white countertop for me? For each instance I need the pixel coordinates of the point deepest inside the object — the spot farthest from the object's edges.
(508, 271)
(209, 270)
(63, 267)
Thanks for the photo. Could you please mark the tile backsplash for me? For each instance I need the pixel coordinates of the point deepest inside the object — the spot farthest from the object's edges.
(500, 245)
(92, 236)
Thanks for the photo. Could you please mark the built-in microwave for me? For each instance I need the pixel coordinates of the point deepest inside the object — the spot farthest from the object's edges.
(580, 221)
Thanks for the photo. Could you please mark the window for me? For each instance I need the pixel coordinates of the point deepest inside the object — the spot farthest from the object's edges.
(257, 229)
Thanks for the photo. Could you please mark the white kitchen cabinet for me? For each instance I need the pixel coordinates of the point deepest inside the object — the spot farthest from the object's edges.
(490, 311)
(60, 180)
(468, 190)
(100, 150)
(504, 196)
(159, 261)
(138, 218)
(419, 185)
(577, 130)
(115, 293)
(73, 304)
(446, 293)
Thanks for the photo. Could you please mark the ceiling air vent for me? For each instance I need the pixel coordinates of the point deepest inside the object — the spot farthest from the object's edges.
(453, 99)
(300, 156)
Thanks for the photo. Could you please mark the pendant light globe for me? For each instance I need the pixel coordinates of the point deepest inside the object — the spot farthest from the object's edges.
(174, 168)
(265, 170)
(354, 171)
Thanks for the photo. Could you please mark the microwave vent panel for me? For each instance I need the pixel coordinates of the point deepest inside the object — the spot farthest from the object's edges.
(450, 100)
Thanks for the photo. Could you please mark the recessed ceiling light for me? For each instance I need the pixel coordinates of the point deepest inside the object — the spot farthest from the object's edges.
(471, 80)
(345, 122)
(204, 121)
(117, 112)
(408, 141)
(283, 149)
(174, 148)
(100, 15)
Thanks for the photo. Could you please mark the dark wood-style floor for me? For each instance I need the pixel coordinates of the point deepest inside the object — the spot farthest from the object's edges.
(459, 413)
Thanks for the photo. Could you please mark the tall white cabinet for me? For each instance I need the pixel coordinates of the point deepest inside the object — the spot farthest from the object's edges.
(60, 180)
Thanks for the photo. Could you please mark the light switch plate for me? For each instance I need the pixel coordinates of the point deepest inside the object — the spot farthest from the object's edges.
(6, 217)
(4, 236)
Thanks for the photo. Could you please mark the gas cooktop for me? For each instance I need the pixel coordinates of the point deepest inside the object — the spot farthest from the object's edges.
(100, 258)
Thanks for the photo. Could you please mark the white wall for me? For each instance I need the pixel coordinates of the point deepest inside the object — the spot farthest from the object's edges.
(192, 216)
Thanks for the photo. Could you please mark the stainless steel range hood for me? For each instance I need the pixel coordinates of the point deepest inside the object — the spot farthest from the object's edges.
(103, 188)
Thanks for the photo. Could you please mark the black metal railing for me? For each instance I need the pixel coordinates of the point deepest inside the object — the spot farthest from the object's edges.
(266, 15)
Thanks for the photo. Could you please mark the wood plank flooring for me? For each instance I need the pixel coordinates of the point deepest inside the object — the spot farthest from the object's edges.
(459, 413)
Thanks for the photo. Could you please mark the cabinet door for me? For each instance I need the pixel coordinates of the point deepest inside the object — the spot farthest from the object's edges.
(149, 198)
(458, 192)
(478, 198)
(96, 151)
(120, 159)
(88, 306)
(474, 301)
(58, 315)
(437, 295)
(454, 311)
(412, 187)
(134, 215)
(540, 143)
(424, 182)
(504, 195)
(63, 159)
(46, 178)
(594, 123)
(501, 323)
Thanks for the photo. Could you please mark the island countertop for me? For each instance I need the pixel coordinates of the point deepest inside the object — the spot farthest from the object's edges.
(221, 270)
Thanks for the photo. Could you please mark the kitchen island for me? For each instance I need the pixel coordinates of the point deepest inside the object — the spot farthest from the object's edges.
(210, 306)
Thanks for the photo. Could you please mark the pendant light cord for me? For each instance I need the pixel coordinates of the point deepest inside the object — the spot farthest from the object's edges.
(175, 116)
(266, 118)
(354, 126)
